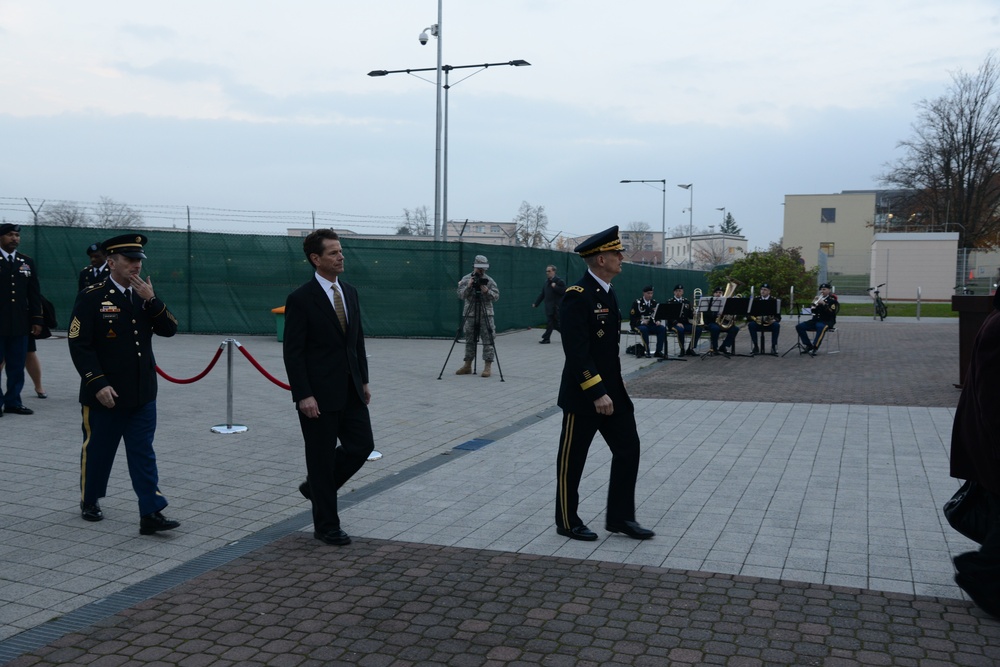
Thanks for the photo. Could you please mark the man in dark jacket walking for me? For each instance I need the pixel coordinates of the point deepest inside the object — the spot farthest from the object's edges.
(552, 293)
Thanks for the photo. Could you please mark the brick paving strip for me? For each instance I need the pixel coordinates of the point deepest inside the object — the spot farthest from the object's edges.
(394, 603)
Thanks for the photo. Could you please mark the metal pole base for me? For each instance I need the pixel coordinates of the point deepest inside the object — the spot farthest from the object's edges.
(375, 455)
(229, 428)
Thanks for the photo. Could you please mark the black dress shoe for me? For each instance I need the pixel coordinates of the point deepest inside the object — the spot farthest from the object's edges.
(544, 341)
(91, 511)
(305, 490)
(336, 537)
(774, 351)
(660, 355)
(649, 356)
(754, 350)
(691, 353)
(156, 522)
(578, 533)
(630, 528)
(19, 410)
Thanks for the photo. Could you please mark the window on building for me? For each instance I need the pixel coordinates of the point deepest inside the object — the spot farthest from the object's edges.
(495, 229)
(827, 248)
(480, 229)
(828, 215)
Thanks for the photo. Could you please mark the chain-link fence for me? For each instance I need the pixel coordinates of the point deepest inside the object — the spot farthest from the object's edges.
(228, 283)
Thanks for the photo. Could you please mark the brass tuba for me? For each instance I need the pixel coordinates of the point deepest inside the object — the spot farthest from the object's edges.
(695, 298)
(727, 321)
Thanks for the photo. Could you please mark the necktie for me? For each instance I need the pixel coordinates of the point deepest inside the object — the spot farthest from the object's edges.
(338, 305)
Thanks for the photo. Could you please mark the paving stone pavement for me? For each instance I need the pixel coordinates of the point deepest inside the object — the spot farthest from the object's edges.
(801, 529)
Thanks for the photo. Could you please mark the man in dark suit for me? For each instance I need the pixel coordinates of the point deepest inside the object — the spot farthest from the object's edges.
(592, 394)
(20, 315)
(96, 271)
(111, 344)
(551, 294)
(324, 351)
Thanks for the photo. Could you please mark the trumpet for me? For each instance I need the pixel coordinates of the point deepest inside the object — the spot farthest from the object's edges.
(818, 300)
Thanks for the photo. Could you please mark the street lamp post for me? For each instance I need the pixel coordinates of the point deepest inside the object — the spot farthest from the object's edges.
(663, 218)
(723, 209)
(690, 188)
(441, 174)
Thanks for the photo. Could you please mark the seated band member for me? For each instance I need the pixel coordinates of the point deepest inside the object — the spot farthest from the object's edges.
(641, 320)
(682, 325)
(758, 325)
(714, 328)
(824, 315)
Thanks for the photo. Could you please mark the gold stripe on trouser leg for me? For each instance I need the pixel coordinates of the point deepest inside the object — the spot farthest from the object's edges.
(562, 484)
(83, 455)
(822, 335)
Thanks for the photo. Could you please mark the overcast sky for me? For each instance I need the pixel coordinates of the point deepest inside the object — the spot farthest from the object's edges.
(266, 106)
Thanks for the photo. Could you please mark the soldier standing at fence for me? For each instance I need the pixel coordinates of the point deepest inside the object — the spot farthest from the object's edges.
(110, 342)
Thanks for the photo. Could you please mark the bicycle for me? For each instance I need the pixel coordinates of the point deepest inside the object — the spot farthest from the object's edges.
(881, 311)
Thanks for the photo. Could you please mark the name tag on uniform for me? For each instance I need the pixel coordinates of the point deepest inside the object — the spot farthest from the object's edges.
(110, 311)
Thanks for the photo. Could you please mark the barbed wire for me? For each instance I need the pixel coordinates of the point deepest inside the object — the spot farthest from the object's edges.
(17, 209)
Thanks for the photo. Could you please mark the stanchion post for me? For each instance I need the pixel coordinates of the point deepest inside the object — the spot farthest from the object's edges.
(229, 427)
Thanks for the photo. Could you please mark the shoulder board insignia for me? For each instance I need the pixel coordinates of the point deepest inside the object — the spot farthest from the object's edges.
(91, 288)
(574, 288)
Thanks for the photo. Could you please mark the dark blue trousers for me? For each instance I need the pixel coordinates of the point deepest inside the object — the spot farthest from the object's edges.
(13, 352)
(103, 429)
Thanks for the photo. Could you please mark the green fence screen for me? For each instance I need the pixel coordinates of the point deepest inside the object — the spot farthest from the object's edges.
(228, 283)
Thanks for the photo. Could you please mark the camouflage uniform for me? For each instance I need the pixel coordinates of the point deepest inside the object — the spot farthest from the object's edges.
(487, 329)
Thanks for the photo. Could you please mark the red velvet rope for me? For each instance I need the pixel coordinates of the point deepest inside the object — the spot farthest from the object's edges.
(205, 372)
(261, 368)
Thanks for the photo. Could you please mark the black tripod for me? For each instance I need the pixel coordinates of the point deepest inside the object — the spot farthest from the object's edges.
(798, 343)
(481, 329)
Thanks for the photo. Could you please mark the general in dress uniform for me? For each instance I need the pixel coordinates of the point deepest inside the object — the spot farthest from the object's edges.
(110, 342)
(592, 394)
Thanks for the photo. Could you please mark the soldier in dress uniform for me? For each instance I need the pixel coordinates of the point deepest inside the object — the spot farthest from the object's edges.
(20, 315)
(641, 320)
(682, 325)
(758, 325)
(110, 342)
(96, 271)
(592, 394)
(824, 316)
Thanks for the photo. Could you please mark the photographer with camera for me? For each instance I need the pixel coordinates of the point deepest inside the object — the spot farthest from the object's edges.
(479, 291)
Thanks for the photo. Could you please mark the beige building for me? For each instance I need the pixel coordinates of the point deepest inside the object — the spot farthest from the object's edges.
(840, 225)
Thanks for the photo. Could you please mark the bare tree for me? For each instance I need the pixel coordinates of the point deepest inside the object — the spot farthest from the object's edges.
(710, 254)
(415, 222)
(111, 214)
(65, 214)
(682, 231)
(531, 226)
(951, 163)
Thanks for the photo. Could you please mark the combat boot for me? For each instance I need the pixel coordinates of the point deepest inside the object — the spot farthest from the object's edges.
(487, 369)
(465, 370)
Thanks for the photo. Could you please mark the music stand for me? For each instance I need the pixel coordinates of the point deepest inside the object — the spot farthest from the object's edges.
(764, 308)
(669, 312)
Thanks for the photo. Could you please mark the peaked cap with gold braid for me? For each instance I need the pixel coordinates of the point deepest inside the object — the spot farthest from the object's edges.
(605, 241)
